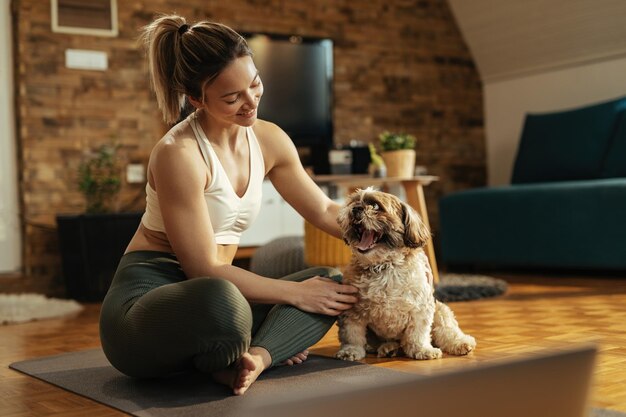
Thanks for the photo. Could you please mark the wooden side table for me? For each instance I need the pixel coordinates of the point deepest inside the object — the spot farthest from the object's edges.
(413, 187)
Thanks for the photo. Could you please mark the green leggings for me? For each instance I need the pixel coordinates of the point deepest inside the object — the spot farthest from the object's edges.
(154, 322)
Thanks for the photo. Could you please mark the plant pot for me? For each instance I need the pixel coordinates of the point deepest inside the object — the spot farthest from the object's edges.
(400, 164)
(91, 247)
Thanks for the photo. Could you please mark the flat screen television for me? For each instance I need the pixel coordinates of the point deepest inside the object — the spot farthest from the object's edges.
(297, 74)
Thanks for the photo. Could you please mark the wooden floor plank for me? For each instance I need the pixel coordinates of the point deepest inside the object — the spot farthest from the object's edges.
(537, 313)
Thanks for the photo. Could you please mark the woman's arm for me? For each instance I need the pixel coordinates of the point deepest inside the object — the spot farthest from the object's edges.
(180, 178)
(293, 183)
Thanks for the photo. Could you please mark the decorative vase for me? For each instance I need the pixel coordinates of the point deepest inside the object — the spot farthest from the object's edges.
(400, 163)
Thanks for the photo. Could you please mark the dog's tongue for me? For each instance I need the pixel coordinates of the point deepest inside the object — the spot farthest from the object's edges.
(367, 239)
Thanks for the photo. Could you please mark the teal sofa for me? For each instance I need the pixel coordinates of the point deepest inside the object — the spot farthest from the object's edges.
(566, 205)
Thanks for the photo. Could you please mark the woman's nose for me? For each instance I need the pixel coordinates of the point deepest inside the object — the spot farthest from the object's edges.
(251, 99)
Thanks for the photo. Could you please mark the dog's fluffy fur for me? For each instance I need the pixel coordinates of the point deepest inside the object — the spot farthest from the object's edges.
(397, 310)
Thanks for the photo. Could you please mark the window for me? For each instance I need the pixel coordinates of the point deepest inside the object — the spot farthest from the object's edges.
(85, 17)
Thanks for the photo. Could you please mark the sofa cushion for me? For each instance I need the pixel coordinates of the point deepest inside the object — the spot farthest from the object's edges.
(566, 145)
(615, 160)
(566, 225)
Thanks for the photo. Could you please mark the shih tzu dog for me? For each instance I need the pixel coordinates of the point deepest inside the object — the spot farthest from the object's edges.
(397, 311)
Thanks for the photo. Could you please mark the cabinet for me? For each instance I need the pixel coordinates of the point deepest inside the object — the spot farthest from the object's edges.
(276, 219)
(91, 247)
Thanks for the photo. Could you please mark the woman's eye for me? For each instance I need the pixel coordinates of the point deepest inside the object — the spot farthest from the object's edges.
(233, 101)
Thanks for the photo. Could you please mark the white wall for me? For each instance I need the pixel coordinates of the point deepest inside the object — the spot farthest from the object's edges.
(540, 55)
(10, 238)
(507, 102)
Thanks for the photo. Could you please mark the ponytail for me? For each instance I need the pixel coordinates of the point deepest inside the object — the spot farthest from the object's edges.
(184, 59)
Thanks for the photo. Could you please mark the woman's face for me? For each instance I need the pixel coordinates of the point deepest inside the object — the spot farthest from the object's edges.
(233, 96)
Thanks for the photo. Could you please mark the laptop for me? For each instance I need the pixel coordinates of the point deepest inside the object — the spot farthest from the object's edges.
(548, 384)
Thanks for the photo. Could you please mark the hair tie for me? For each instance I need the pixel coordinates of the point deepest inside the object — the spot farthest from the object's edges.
(183, 28)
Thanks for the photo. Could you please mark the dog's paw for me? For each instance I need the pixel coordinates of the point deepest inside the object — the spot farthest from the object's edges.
(370, 349)
(423, 353)
(388, 349)
(462, 346)
(351, 353)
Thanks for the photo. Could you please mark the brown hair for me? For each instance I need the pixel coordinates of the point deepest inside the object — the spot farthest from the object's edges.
(184, 59)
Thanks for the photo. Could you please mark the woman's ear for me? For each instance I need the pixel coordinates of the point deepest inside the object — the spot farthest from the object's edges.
(194, 102)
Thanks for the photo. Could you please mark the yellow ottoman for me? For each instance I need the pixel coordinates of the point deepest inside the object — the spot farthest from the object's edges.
(322, 249)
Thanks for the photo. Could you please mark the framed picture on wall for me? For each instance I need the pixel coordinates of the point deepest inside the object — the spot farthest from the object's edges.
(85, 17)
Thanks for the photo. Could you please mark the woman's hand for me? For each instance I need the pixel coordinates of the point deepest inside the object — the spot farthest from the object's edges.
(325, 296)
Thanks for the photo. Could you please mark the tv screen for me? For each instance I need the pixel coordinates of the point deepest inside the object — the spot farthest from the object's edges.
(297, 74)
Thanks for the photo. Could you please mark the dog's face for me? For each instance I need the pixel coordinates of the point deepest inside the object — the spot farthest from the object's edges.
(378, 226)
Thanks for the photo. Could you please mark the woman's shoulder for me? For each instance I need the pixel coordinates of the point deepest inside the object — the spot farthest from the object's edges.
(179, 138)
(267, 131)
(177, 150)
(276, 146)
(271, 137)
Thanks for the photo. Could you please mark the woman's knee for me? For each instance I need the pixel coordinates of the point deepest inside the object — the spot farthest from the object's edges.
(220, 302)
(202, 307)
(328, 272)
(173, 323)
(322, 271)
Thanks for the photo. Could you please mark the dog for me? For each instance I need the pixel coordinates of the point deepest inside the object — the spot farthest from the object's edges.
(396, 311)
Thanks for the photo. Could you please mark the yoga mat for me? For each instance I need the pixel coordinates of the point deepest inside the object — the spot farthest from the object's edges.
(88, 373)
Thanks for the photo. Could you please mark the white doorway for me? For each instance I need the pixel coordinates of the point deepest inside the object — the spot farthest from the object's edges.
(10, 230)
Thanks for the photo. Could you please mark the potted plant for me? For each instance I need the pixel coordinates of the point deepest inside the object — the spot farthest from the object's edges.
(93, 242)
(377, 168)
(99, 179)
(398, 152)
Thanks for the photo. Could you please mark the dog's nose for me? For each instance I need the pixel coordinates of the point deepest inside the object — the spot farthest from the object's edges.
(357, 211)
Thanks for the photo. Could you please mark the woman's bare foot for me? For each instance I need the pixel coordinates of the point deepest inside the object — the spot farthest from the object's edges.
(297, 358)
(247, 369)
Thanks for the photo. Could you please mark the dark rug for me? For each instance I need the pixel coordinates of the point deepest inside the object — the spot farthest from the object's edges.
(465, 287)
(88, 373)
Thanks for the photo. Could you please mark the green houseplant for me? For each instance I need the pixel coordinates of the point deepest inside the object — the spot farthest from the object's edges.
(93, 242)
(99, 179)
(398, 153)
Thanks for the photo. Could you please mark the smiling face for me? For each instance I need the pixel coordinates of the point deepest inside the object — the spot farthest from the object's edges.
(377, 226)
(233, 96)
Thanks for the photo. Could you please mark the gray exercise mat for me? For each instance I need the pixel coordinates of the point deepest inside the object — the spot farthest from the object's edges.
(89, 374)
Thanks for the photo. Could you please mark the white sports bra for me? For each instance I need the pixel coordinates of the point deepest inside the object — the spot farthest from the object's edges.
(230, 214)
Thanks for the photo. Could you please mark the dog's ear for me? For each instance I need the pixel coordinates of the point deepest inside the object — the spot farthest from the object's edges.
(416, 234)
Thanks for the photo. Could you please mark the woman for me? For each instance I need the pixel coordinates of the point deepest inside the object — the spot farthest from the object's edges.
(176, 301)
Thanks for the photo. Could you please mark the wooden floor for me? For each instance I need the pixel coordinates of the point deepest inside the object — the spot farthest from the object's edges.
(535, 314)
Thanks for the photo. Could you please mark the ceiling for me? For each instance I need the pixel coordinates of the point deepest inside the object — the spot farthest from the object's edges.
(513, 38)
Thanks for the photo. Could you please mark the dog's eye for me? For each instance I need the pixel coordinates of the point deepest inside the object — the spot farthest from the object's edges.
(372, 204)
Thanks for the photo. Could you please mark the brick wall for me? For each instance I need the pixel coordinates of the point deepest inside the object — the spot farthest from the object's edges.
(399, 65)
